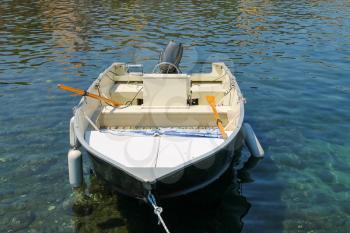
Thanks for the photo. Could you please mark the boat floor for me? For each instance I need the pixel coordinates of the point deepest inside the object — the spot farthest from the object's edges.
(157, 153)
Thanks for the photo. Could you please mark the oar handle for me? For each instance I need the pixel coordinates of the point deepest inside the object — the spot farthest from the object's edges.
(212, 104)
(85, 93)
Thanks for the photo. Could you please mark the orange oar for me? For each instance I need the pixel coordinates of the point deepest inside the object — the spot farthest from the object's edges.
(85, 93)
(212, 103)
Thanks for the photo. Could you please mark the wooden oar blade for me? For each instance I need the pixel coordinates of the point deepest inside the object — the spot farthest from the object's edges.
(212, 103)
(211, 99)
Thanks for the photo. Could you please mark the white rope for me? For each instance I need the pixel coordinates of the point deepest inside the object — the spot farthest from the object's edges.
(157, 210)
(91, 122)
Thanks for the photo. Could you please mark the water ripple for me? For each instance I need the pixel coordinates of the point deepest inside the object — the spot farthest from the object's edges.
(291, 60)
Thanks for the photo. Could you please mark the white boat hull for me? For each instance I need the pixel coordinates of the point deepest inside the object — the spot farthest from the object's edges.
(183, 181)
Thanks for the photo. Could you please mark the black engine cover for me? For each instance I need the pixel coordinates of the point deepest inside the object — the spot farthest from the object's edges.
(171, 54)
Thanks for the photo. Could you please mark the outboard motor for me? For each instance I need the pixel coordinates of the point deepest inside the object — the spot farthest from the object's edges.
(170, 58)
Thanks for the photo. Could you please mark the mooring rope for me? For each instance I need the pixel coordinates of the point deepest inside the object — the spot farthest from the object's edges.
(157, 210)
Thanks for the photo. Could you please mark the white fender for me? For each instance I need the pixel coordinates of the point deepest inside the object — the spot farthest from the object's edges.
(252, 141)
(254, 147)
(73, 141)
(75, 168)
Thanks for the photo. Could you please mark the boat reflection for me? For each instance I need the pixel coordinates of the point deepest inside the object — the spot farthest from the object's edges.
(219, 207)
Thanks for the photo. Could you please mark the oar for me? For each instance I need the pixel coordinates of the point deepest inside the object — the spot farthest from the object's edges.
(212, 103)
(85, 93)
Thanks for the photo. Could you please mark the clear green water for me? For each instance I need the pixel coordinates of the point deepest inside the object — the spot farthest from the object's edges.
(292, 61)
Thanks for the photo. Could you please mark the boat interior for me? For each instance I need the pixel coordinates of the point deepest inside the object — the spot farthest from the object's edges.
(167, 100)
(152, 102)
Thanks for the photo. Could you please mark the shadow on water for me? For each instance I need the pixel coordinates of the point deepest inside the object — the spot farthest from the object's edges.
(15, 83)
(264, 189)
(218, 208)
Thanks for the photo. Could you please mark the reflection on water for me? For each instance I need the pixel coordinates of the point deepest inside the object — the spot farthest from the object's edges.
(292, 63)
(16, 83)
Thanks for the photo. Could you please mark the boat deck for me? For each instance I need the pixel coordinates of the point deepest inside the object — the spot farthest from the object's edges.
(163, 151)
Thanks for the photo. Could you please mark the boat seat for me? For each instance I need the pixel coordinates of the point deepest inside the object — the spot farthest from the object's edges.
(201, 90)
(137, 116)
(123, 92)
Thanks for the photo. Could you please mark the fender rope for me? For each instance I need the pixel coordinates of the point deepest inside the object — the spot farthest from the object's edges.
(157, 210)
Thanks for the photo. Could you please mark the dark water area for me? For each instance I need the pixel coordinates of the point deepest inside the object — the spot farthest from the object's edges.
(292, 62)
